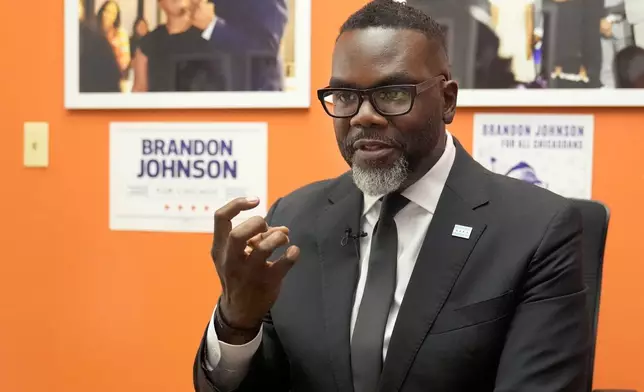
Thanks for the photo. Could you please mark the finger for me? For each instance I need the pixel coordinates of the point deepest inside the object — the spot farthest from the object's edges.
(254, 242)
(267, 246)
(281, 267)
(240, 235)
(223, 221)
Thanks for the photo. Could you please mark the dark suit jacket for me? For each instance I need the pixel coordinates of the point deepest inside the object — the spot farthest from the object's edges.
(501, 311)
(252, 31)
(461, 30)
(98, 70)
(575, 38)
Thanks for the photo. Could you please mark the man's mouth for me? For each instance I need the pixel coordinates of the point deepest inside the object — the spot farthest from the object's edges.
(370, 150)
(371, 145)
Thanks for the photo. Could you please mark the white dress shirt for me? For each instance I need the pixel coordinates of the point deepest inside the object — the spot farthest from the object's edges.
(207, 33)
(230, 363)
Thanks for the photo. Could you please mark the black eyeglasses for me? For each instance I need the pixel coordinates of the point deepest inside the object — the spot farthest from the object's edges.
(391, 100)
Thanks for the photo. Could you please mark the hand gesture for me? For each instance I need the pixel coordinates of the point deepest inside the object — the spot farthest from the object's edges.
(250, 284)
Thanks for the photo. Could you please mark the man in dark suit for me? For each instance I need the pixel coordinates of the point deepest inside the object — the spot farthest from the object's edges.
(576, 41)
(251, 32)
(418, 270)
(463, 32)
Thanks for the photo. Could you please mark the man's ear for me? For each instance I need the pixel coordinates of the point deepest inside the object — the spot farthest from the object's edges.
(450, 94)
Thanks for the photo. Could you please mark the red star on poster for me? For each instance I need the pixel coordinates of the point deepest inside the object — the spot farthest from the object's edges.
(206, 208)
(180, 207)
(194, 208)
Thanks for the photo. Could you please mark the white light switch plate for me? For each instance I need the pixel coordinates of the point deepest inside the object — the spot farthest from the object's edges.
(36, 149)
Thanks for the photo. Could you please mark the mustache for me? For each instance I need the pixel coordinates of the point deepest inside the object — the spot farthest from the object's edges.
(367, 134)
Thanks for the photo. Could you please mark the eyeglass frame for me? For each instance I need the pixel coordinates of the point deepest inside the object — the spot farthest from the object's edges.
(415, 90)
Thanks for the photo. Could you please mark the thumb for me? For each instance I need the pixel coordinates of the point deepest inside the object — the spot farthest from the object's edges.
(281, 267)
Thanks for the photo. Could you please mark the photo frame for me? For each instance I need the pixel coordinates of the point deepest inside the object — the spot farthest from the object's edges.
(584, 53)
(223, 78)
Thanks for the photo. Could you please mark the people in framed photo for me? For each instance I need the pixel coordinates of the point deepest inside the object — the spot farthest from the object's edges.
(187, 54)
(544, 52)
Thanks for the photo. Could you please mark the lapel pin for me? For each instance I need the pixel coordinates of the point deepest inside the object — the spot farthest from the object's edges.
(462, 231)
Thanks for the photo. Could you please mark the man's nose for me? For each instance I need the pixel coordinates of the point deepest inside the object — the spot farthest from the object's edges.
(367, 116)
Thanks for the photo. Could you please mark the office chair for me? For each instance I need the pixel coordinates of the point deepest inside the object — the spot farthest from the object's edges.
(595, 217)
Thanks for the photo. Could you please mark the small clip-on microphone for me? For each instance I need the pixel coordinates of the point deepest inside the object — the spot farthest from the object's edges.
(348, 233)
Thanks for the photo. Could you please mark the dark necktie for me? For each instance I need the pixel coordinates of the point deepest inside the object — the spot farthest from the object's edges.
(369, 330)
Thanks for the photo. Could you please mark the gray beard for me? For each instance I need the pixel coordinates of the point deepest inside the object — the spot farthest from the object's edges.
(376, 181)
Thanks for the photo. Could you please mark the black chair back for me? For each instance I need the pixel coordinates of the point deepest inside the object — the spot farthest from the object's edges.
(595, 217)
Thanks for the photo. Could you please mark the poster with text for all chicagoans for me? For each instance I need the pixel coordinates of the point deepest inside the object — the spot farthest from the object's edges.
(174, 176)
(550, 151)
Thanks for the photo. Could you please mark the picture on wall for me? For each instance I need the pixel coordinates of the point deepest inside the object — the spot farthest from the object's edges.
(167, 54)
(551, 151)
(544, 52)
(173, 176)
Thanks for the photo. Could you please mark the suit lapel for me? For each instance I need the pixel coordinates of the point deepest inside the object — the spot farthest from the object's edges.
(441, 259)
(339, 275)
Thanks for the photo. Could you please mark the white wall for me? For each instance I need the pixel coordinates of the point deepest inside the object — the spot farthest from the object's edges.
(635, 16)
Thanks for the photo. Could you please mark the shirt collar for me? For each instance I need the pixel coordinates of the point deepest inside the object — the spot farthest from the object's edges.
(427, 190)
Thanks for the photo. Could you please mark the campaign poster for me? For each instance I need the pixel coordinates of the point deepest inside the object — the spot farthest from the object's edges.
(172, 177)
(551, 151)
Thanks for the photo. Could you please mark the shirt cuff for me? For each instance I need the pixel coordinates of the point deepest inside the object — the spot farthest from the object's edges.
(207, 33)
(228, 357)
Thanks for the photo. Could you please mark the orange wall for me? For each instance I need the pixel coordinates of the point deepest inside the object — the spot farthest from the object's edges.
(86, 309)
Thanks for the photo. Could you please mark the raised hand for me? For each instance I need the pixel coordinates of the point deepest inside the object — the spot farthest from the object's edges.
(250, 283)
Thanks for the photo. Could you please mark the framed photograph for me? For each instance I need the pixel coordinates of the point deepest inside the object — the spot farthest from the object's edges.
(183, 54)
(517, 53)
